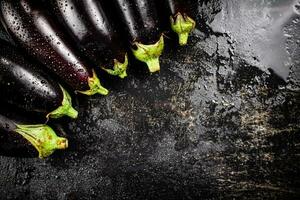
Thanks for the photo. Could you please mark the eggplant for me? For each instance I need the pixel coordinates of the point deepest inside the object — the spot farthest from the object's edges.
(95, 34)
(26, 86)
(141, 23)
(33, 28)
(180, 13)
(20, 138)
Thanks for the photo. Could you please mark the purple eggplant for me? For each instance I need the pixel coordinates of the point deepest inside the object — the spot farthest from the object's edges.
(141, 23)
(20, 138)
(32, 27)
(95, 34)
(24, 85)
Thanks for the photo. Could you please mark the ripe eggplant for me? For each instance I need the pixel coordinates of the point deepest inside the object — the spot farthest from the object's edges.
(180, 13)
(140, 19)
(31, 26)
(24, 85)
(17, 137)
(94, 33)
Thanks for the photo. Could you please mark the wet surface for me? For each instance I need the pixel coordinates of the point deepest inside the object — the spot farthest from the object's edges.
(220, 121)
(261, 30)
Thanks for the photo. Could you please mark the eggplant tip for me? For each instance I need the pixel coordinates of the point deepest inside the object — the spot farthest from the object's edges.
(119, 68)
(62, 143)
(123, 75)
(183, 25)
(95, 86)
(65, 109)
(43, 138)
(150, 54)
(183, 38)
(153, 65)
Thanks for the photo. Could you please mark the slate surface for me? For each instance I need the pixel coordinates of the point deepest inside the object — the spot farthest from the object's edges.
(220, 121)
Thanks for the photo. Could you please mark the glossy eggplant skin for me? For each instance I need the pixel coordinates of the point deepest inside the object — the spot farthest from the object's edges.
(19, 138)
(95, 34)
(140, 20)
(31, 26)
(26, 86)
(11, 143)
(183, 6)
(141, 23)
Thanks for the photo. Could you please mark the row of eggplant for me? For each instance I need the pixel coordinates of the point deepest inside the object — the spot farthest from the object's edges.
(25, 86)
(68, 39)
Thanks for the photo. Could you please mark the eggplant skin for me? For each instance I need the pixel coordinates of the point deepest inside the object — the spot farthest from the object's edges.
(172, 7)
(140, 19)
(21, 138)
(13, 144)
(94, 32)
(141, 23)
(25, 85)
(31, 26)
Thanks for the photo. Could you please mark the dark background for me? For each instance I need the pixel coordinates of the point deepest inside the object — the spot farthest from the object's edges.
(220, 121)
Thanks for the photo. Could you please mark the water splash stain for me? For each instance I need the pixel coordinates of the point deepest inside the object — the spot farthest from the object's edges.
(260, 33)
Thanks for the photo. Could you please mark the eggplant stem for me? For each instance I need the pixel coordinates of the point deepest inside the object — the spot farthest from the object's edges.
(95, 86)
(65, 109)
(183, 25)
(150, 54)
(43, 138)
(119, 68)
(153, 65)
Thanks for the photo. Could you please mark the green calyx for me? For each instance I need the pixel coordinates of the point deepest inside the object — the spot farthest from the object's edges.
(119, 68)
(65, 109)
(43, 138)
(183, 25)
(95, 86)
(149, 53)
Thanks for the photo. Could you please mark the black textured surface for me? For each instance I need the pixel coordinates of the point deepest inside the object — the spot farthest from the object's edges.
(215, 123)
